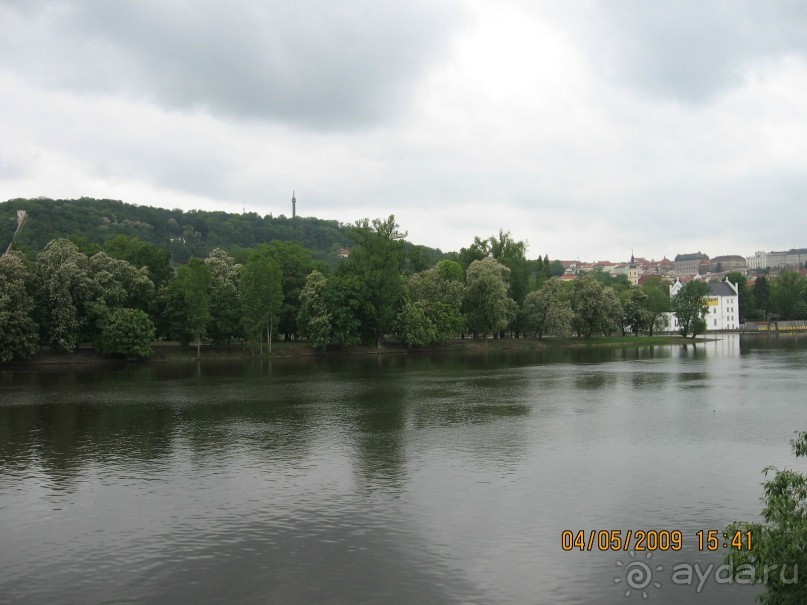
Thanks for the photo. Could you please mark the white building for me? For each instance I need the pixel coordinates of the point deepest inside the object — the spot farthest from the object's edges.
(724, 306)
(758, 261)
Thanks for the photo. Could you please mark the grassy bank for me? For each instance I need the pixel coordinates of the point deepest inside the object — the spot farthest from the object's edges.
(171, 351)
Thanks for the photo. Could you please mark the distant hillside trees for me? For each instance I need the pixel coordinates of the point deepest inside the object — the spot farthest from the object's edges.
(182, 234)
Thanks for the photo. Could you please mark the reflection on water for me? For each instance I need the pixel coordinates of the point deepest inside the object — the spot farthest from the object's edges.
(385, 478)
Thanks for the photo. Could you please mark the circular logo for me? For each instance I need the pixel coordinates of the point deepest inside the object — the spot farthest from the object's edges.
(637, 576)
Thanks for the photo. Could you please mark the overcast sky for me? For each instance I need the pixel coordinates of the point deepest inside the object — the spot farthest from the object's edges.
(586, 128)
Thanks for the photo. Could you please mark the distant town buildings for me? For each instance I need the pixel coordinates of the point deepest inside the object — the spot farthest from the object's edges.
(696, 263)
(795, 258)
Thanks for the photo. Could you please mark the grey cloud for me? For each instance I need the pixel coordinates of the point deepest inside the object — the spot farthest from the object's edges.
(314, 63)
(688, 50)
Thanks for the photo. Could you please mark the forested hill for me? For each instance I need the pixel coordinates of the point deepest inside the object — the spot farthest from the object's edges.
(184, 234)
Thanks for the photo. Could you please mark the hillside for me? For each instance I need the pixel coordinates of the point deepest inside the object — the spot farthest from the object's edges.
(183, 233)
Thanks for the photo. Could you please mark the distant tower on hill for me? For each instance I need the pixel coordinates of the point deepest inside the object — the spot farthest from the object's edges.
(293, 204)
(633, 271)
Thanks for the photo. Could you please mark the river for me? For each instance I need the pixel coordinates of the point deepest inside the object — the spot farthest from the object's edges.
(421, 478)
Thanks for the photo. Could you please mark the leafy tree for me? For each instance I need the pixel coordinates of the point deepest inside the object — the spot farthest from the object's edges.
(556, 269)
(690, 307)
(313, 318)
(547, 310)
(488, 308)
(777, 550)
(195, 279)
(449, 270)
(614, 314)
(596, 309)
(658, 304)
(413, 326)
(787, 296)
(636, 315)
(417, 258)
(762, 295)
(63, 286)
(118, 284)
(156, 260)
(478, 250)
(127, 333)
(19, 334)
(512, 254)
(377, 258)
(261, 296)
(172, 314)
(225, 309)
(746, 299)
(295, 264)
(350, 307)
(438, 292)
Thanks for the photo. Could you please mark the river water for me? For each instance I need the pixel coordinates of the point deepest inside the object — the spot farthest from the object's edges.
(420, 478)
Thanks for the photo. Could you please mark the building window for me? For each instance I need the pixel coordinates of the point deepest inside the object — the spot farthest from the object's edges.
(715, 322)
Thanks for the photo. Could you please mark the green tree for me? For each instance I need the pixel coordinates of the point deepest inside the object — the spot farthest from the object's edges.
(636, 315)
(156, 260)
(658, 304)
(762, 296)
(413, 327)
(512, 254)
(195, 279)
(488, 308)
(547, 310)
(19, 334)
(295, 264)
(746, 299)
(787, 296)
(261, 293)
(313, 318)
(778, 548)
(118, 284)
(439, 292)
(349, 307)
(225, 309)
(64, 287)
(690, 307)
(377, 259)
(556, 269)
(614, 314)
(478, 250)
(127, 333)
(596, 308)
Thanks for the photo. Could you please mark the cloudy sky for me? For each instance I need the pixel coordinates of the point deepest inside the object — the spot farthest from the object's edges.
(587, 128)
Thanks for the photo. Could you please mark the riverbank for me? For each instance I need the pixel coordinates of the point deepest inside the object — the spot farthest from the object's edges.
(171, 351)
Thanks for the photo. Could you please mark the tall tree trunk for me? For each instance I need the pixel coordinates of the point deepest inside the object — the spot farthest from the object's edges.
(198, 338)
(269, 331)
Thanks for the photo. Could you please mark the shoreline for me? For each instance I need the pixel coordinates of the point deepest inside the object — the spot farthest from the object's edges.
(171, 351)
